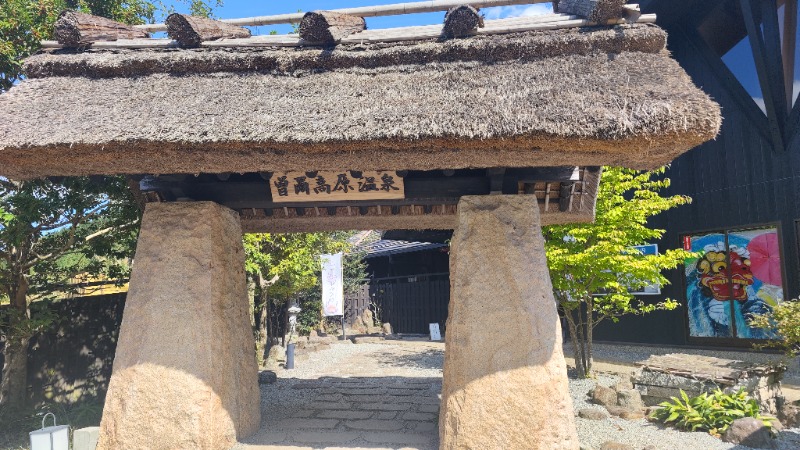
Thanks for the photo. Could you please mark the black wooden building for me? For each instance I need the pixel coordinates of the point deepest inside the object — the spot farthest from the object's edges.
(745, 185)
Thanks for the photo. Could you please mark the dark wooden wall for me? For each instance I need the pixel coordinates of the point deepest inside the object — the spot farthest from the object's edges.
(738, 180)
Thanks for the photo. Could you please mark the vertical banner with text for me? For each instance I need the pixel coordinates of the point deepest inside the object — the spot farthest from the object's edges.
(332, 285)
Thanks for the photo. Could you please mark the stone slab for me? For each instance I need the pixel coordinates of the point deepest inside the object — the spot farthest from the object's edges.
(374, 425)
(185, 373)
(85, 438)
(505, 379)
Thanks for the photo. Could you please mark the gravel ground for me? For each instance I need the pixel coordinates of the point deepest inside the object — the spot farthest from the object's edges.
(423, 361)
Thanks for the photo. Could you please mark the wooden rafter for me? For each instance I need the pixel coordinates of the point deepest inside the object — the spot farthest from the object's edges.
(725, 78)
(769, 65)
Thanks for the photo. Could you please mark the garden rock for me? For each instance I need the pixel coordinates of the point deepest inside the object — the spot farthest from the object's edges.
(387, 328)
(602, 395)
(749, 432)
(267, 377)
(623, 385)
(618, 410)
(592, 414)
(631, 415)
(611, 445)
(277, 353)
(790, 415)
(630, 398)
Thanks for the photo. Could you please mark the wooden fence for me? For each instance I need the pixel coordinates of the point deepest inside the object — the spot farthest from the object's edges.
(409, 303)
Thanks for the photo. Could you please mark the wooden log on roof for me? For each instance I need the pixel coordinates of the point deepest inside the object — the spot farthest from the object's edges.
(73, 29)
(191, 31)
(461, 21)
(599, 11)
(328, 27)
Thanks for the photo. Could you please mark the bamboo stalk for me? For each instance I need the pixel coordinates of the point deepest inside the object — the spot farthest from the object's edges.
(364, 11)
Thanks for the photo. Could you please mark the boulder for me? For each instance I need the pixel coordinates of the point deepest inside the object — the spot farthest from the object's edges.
(592, 414)
(630, 398)
(604, 396)
(618, 411)
(790, 415)
(276, 353)
(505, 380)
(267, 377)
(386, 328)
(749, 432)
(185, 373)
(623, 385)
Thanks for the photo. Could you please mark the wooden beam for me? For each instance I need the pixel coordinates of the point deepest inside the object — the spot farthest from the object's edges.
(594, 10)
(789, 48)
(328, 27)
(726, 79)
(766, 68)
(461, 21)
(365, 11)
(73, 29)
(191, 31)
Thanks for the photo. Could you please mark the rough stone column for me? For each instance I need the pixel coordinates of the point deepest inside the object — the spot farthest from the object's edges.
(505, 379)
(185, 373)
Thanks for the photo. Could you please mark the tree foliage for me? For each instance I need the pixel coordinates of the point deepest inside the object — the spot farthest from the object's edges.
(593, 266)
(25, 23)
(49, 233)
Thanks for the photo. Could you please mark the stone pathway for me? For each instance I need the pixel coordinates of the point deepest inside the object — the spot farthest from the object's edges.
(381, 397)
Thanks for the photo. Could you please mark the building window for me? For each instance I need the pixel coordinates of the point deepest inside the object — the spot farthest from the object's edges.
(738, 274)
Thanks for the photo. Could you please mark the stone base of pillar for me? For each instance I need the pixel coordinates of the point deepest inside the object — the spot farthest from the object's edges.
(505, 379)
(185, 373)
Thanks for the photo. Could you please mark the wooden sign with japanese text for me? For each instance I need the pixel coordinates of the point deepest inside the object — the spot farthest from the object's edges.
(292, 187)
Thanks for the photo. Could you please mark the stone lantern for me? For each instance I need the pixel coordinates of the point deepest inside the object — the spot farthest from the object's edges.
(294, 310)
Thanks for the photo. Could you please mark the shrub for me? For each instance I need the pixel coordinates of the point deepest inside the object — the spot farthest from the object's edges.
(709, 412)
(784, 320)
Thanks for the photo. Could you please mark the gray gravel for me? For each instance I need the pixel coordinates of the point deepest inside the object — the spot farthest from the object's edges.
(424, 360)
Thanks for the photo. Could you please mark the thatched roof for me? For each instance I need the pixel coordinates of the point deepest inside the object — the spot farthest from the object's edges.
(584, 96)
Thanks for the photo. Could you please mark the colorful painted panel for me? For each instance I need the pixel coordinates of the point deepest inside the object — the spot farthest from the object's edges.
(737, 275)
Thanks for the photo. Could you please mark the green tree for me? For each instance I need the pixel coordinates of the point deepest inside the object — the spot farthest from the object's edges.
(281, 266)
(49, 233)
(25, 23)
(593, 267)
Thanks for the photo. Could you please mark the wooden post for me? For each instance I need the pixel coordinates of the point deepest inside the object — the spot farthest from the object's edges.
(461, 21)
(191, 31)
(73, 29)
(327, 27)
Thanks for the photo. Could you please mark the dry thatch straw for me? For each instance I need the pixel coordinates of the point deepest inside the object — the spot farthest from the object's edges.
(461, 21)
(594, 10)
(583, 97)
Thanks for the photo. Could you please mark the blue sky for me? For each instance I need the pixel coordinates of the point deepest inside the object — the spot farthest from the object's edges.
(232, 9)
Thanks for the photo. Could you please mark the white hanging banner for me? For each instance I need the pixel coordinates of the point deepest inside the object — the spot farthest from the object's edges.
(332, 285)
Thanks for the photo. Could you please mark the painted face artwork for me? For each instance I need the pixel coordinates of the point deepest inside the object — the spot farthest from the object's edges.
(721, 282)
(732, 280)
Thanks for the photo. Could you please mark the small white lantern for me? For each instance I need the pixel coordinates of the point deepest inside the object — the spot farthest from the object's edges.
(50, 438)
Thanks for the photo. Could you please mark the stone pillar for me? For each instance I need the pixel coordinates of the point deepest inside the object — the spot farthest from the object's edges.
(185, 373)
(505, 379)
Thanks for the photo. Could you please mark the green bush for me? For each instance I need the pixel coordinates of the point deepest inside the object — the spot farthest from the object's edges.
(709, 412)
(784, 321)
